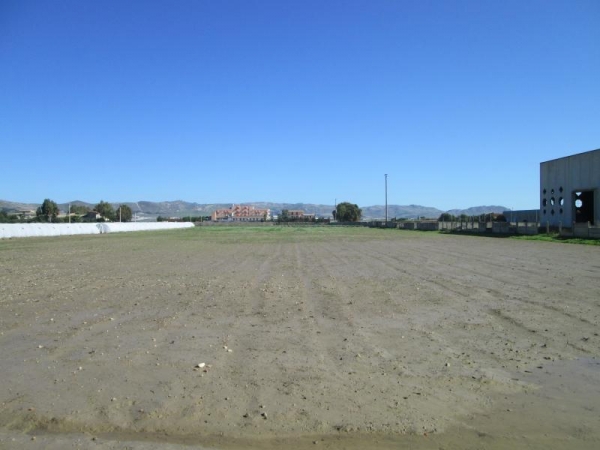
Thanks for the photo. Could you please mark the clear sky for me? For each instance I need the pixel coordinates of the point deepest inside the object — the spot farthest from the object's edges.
(309, 101)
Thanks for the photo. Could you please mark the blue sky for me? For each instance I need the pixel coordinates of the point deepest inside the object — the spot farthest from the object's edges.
(294, 100)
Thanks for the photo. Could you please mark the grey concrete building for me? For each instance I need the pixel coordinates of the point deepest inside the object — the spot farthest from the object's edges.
(570, 190)
(522, 215)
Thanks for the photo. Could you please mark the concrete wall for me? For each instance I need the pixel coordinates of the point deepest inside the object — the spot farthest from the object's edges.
(474, 227)
(583, 231)
(12, 230)
(408, 225)
(560, 179)
(501, 227)
(428, 226)
(526, 228)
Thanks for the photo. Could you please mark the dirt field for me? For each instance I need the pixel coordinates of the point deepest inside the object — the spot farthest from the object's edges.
(294, 338)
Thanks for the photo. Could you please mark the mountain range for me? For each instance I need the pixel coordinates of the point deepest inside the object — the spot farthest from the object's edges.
(150, 210)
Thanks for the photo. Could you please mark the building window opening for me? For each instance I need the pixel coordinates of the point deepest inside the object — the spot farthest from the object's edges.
(584, 206)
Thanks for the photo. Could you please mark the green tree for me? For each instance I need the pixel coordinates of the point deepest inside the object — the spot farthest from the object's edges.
(79, 209)
(123, 213)
(348, 212)
(105, 209)
(48, 211)
(284, 216)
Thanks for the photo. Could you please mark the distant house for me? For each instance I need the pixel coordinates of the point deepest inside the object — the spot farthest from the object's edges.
(300, 215)
(241, 213)
(92, 216)
(25, 213)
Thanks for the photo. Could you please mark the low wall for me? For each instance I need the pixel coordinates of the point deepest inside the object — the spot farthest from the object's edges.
(501, 227)
(527, 228)
(12, 230)
(584, 231)
(350, 224)
(382, 224)
(515, 228)
(231, 223)
(473, 227)
(428, 226)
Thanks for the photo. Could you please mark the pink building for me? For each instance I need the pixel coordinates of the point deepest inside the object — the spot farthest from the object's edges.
(241, 213)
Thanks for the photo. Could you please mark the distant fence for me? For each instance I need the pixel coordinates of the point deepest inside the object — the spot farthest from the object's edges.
(231, 223)
(12, 230)
(471, 227)
(581, 230)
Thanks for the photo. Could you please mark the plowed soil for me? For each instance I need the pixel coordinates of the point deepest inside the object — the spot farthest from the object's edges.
(239, 337)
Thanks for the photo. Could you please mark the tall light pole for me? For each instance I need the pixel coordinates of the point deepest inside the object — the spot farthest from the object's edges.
(386, 210)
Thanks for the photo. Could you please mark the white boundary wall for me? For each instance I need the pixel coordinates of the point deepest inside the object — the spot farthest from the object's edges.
(11, 230)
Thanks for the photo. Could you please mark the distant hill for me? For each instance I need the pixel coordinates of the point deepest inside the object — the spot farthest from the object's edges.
(14, 207)
(179, 208)
(403, 212)
(479, 210)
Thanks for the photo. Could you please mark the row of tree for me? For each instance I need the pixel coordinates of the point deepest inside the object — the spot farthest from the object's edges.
(49, 211)
(122, 214)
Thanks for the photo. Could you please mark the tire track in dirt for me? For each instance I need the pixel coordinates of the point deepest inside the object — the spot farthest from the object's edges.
(346, 361)
(232, 392)
(321, 311)
(483, 286)
(253, 383)
(442, 333)
(372, 351)
(490, 292)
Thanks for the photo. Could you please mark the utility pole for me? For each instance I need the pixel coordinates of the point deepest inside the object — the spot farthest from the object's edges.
(120, 213)
(386, 209)
(69, 213)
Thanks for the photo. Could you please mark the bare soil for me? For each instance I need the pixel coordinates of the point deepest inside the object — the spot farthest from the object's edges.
(281, 338)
